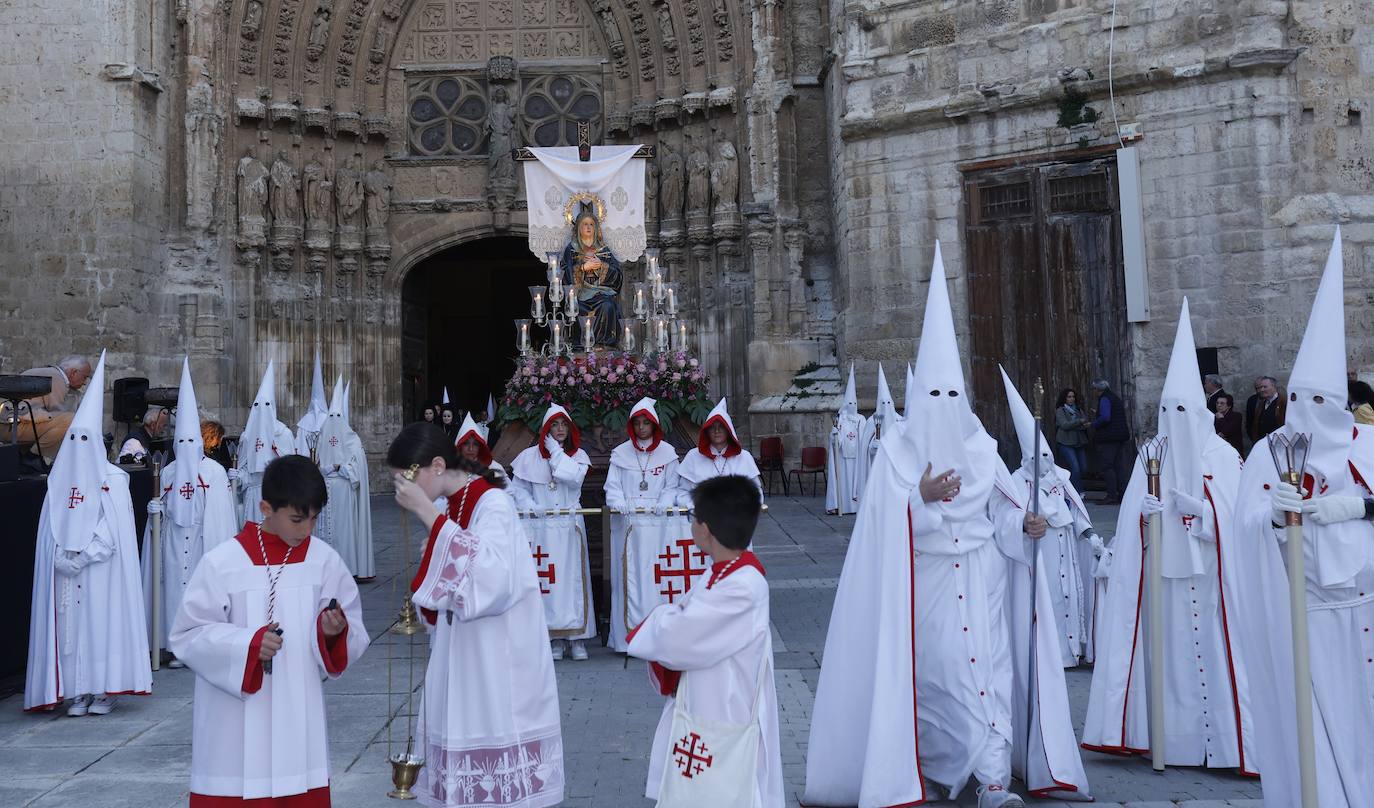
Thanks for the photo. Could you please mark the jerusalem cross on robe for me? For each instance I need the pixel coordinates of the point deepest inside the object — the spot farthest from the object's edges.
(74, 498)
(186, 490)
(694, 758)
(548, 574)
(666, 571)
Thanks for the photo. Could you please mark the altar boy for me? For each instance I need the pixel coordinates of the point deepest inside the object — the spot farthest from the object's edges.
(265, 618)
(711, 653)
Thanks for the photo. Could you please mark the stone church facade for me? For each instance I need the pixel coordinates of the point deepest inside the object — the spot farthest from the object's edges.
(243, 180)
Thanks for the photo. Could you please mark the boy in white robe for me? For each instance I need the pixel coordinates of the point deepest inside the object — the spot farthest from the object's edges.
(197, 510)
(718, 453)
(346, 521)
(265, 619)
(264, 439)
(548, 476)
(644, 475)
(714, 646)
(88, 634)
(1338, 542)
(842, 478)
(489, 727)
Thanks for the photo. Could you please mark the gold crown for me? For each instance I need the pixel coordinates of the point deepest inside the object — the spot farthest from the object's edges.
(586, 198)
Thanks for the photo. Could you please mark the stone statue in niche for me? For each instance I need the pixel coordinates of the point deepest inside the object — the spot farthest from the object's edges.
(252, 200)
(698, 182)
(348, 199)
(725, 178)
(286, 202)
(670, 184)
(501, 182)
(614, 42)
(377, 187)
(651, 175)
(252, 20)
(319, 204)
(319, 33)
(377, 52)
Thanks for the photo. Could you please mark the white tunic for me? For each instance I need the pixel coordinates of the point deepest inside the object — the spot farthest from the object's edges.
(489, 722)
(696, 467)
(346, 522)
(268, 742)
(559, 543)
(184, 545)
(250, 482)
(720, 635)
(88, 633)
(1062, 560)
(843, 466)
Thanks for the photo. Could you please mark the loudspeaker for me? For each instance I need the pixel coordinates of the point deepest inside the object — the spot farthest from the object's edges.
(129, 403)
(9, 463)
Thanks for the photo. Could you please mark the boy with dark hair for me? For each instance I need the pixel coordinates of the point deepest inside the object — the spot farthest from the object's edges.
(264, 619)
(711, 653)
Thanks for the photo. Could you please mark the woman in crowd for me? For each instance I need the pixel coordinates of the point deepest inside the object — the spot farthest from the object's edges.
(1071, 432)
(1228, 422)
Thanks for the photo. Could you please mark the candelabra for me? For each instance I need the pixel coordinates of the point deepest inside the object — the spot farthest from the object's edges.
(655, 305)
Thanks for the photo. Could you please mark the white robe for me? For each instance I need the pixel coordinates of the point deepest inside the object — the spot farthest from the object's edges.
(1062, 560)
(1339, 567)
(1204, 681)
(695, 467)
(623, 494)
(88, 633)
(272, 742)
(184, 545)
(558, 542)
(490, 702)
(929, 613)
(250, 482)
(346, 522)
(843, 484)
(719, 635)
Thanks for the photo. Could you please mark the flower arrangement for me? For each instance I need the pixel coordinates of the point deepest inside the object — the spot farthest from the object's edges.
(601, 389)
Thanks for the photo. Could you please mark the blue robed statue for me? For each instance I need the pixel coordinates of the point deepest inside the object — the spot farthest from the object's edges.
(590, 267)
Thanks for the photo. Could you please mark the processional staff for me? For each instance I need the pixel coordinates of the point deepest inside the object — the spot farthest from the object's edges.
(1152, 454)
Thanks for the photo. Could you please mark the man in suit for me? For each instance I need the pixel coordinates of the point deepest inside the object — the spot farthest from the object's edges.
(1264, 411)
(1211, 385)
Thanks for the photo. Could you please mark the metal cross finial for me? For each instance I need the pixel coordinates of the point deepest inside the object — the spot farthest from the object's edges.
(584, 141)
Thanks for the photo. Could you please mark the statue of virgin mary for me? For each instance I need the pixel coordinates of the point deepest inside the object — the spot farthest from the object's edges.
(590, 267)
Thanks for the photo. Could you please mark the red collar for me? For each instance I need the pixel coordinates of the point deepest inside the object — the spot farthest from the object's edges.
(732, 446)
(476, 489)
(276, 548)
(719, 571)
(634, 439)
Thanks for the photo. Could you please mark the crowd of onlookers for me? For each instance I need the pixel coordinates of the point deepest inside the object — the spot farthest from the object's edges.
(1105, 429)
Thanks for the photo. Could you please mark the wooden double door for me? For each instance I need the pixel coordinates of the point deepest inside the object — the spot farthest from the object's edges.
(1046, 292)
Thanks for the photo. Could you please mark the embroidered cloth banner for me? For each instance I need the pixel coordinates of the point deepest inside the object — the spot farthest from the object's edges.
(556, 183)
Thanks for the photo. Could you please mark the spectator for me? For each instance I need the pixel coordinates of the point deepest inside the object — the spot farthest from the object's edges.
(52, 413)
(140, 439)
(1211, 385)
(212, 435)
(1228, 423)
(1071, 433)
(428, 415)
(1361, 401)
(448, 422)
(1112, 435)
(1265, 409)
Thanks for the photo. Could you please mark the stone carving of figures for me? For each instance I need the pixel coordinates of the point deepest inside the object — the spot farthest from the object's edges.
(651, 175)
(698, 179)
(500, 141)
(670, 182)
(319, 198)
(252, 20)
(348, 193)
(286, 202)
(319, 33)
(725, 176)
(378, 50)
(252, 198)
(378, 190)
(614, 43)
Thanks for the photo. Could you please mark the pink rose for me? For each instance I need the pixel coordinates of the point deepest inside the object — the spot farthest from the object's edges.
(696, 376)
(544, 371)
(630, 379)
(653, 376)
(612, 378)
(534, 383)
(604, 371)
(677, 377)
(692, 362)
(641, 368)
(587, 377)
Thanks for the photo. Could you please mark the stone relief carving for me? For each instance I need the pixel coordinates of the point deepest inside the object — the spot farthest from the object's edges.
(249, 30)
(377, 189)
(614, 42)
(286, 203)
(670, 191)
(640, 26)
(534, 44)
(696, 31)
(665, 25)
(348, 201)
(252, 200)
(500, 131)
(319, 205)
(348, 45)
(317, 41)
(534, 12)
(252, 20)
(725, 45)
(376, 54)
(393, 8)
(725, 179)
(651, 185)
(283, 38)
(699, 200)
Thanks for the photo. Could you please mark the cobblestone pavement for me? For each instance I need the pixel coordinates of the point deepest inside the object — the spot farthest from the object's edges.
(139, 756)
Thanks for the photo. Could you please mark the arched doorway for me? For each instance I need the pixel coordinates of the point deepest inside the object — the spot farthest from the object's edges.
(457, 309)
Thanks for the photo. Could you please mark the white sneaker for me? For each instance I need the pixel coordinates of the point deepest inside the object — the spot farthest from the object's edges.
(80, 706)
(557, 646)
(176, 664)
(996, 796)
(102, 705)
(579, 650)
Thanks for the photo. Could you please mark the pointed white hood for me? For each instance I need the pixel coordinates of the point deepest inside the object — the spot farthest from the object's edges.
(445, 400)
(73, 498)
(347, 421)
(884, 410)
(719, 415)
(910, 386)
(471, 430)
(850, 405)
(334, 435)
(491, 408)
(1024, 421)
(1320, 370)
(256, 447)
(1183, 415)
(183, 494)
(319, 408)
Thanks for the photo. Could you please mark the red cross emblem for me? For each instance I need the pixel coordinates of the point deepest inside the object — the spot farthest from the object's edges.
(334, 441)
(658, 471)
(204, 486)
(692, 756)
(1310, 484)
(665, 573)
(257, 444)
(1188, 522)
(186, 490)
(74, 498)
(545, 574)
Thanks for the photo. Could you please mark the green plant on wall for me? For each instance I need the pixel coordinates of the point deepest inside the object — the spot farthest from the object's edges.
(1074, 109)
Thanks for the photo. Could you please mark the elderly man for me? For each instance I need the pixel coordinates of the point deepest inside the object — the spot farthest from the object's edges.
(52, 414)
(1113, 437)
(1211, 385)
(141, 438)
(1265, 410)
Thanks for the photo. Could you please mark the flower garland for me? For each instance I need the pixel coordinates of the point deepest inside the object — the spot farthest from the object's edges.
(601, 389)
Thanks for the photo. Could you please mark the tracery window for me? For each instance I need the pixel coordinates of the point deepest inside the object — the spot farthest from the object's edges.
(552, 105)
(447, 116)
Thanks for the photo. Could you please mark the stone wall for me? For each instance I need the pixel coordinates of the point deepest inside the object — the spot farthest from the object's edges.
(1249, 154)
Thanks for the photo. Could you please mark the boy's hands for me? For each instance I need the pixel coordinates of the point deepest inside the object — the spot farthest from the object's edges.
(271, 643)
(332, 619)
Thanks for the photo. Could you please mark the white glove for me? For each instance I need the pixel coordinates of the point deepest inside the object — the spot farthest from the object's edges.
(1150, 505)
(66, 564)
(1335, 508)
(1285, 499)
(552, 445)
(1097, 544)
(233, 474)
(1187, 504)
(154, 506)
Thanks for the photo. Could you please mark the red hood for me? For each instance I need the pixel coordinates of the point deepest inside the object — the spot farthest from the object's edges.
(704, 441)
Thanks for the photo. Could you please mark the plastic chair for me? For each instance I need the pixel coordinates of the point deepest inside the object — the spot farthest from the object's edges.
(813, 463)
(770, 461)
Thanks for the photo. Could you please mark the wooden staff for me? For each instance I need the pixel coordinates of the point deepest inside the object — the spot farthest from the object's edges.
(1153, 454)
(155, 536)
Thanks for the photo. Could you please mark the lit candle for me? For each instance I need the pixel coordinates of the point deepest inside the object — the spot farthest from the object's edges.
(588, 332)
(627, 337)
(639, 299)
(681, 335)
(572, 301)
(556, 287)
(556, 336)
(652, 255)
(672, 299)
(658, 288)
(552, 259)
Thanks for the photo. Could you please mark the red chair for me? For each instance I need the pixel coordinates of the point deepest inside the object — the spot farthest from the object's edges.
(770, 461)
(813, 463)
